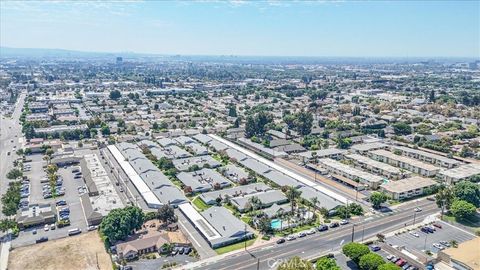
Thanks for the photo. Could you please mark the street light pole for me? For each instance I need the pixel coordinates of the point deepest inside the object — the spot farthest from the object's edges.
(414, 216)
(245, 237)
(363, 232)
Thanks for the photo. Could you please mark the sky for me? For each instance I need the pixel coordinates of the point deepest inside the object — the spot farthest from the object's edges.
(267, 28)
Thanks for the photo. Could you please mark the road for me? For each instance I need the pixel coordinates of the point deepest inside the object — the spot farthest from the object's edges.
(10, 132)
(268, 257)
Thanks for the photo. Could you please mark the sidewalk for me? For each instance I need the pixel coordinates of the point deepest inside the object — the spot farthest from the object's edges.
(4, 252)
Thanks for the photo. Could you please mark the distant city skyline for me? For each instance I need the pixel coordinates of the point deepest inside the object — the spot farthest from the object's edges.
(263, 28)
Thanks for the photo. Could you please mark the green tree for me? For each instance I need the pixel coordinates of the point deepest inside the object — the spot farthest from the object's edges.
(264, 225)
(355, 250)
(296, 263)
(293, 194)
(467, 191)
(462, 209)
(388, 266)
(402, 128)
(166, 214)
(115, 94)
(14, 174)
(255, 125)
(327, 264)
(7, 224)
(377, 198)
(232, 111)
(303, 122)
(121, 222)
(370, 261)
(444, 197)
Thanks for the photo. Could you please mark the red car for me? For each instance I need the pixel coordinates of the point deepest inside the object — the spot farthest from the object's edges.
(437, 225)
(400, 262)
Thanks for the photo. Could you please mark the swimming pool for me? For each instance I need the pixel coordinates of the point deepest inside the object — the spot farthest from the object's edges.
(276, 224)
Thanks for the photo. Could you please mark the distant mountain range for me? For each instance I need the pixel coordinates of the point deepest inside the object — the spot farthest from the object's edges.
(62, 53)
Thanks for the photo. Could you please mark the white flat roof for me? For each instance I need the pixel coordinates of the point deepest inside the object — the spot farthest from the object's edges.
(200, 222)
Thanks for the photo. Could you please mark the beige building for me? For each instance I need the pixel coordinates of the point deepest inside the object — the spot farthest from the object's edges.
(407, 188)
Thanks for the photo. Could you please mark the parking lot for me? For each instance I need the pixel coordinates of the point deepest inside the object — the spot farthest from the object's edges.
(70, 185)
(425, 241)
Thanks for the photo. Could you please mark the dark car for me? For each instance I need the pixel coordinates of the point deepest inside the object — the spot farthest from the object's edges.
(334, 225)
(181, 250)
(41, 239)
(375, 248)
(322, 228)
(281, 240)
(426, 230)
(187, 250)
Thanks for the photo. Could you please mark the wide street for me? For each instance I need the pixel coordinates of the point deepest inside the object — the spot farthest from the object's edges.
(268, 257)
(10, 132)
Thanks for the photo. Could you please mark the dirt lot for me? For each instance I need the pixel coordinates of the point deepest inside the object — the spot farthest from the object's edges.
(77, 252)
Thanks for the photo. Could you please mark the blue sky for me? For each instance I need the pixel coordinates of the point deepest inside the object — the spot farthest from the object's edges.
(280, 28)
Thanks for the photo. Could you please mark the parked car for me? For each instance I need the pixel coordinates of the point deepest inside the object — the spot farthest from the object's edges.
(301, 234)
(174, 252)
(437, 225)
(390, 257)
(322, 228)
(375, 248)
(344, 222)
(334, 225)
(406, 266)
(281, 241)
(401, 262)
(188, 250)
(414, 234)
(311, 231)
(61, 203)
(41, 239)
(290, 238)
(418, 209)
(438, 246)
(92, 228)
(52, 226)
(445, 243)
(34, 231)
(181, 250)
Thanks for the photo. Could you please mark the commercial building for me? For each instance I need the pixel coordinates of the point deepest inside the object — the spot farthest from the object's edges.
(60, 128)
(406, 163)
(465, 257)
(36, 214)
(407, 188)
(464, 172)
(427, 157)
(336, 167)
(377, 167)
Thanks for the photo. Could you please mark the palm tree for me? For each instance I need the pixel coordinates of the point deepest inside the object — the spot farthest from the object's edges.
(280, 213)
(314, 202)
(292, 195)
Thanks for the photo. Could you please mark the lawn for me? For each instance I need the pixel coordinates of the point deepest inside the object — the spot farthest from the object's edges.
(200, 204)
(233, 247)
(296, 229)
(473, 223)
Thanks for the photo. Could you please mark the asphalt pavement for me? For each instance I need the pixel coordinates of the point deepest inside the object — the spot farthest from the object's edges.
(270, 256)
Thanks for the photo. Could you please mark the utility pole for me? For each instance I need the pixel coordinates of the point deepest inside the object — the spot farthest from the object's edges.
(258, 263)
(425, 245)
(363, 232)
(414, 215)
(245, 236)
(353, 231)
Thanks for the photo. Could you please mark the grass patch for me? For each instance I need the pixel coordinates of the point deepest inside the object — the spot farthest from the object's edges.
(200, 204)
(246, 219)
(296, 229)
(473, 223)
(236, 246)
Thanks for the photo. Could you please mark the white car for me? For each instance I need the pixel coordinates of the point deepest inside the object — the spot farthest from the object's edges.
(418, 209)
(311, 231)
(414, 234)
(290, 238)
(438, 246)
(46, 228)
(344, 222)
